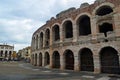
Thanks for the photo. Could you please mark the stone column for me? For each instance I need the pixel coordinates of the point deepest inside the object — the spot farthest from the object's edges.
(96, 63)
(50, 65)
(62, 64)
(43, 40)
(93, 28)
(117, 24)
(38, 60)
(38, 42)
(61, 34)
(34, 59)
(119, 58)
(76, 63)
(43, 60)
(51, 37)
(75, 32)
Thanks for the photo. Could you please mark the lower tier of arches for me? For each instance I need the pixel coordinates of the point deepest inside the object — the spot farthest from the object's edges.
(107, 60)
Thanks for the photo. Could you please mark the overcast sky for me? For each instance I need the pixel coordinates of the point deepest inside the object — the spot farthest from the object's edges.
(20, 18)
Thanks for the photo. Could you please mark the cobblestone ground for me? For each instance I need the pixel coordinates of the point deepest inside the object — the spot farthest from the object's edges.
(25, 71)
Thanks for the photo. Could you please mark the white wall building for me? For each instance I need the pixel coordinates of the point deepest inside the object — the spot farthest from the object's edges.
(6, 52)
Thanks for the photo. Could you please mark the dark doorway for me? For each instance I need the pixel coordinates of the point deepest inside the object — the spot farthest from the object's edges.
(10, 55)
(68, 28)
(86, 60)
(40, 59)
(56, 60)
(84, 25)
(47, 59)
(109, 61)
(104, 28)
(41, 40)
(47, 38)
(104, 10)
(35, 60)
(69, 60)
(56, 33)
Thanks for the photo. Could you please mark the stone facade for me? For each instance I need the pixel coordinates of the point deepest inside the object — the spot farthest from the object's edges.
(83, 39)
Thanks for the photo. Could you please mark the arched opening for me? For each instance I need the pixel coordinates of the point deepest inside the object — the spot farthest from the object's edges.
(47, 37)
(40, 59)
(34, 43)
(56, 60)
(56, 33)
(47, 59)
(41, 39)
(35, 60)
(1, 55)
(84, 25)
(5, 54)
(10, 55)
(69, 59)
(109, 60)
(68, 29)
(37, 42)
(105, 27)
(104, 10)
(86, 60)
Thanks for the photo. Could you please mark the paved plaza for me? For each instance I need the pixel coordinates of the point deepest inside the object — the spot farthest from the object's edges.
(25, 71)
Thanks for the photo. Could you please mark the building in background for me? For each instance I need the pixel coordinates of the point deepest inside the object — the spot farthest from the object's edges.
(24, 54)
(6, 52)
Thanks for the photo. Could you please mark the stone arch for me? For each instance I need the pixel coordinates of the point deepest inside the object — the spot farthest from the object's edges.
(56, 59)
(41, 39)
(83, 25)
(106, 5)
(47, 59)
(10, 55)
(47, 37)
(35, 59)
(1, 53)
(86, 60)
(69, 59)
(109, 60)
(40, 59)
(37, 41)
(34, 42)
(56, 32)
(67, 29)
(6, 54)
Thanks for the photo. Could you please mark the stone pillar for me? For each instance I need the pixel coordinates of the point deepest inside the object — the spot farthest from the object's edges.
(50, 66)
(119, 58)
(38, 60)
(34, 60)
(44, 40)
(76, 63)
(43, 60)
(93, 28)
(75, 32)
(62, 62)
(117, 24)
(96, 63)
(51, 37)
(61, 34)
(35, 44)
(38, 42)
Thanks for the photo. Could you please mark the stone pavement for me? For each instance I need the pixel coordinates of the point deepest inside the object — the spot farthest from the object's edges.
(25, 71)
